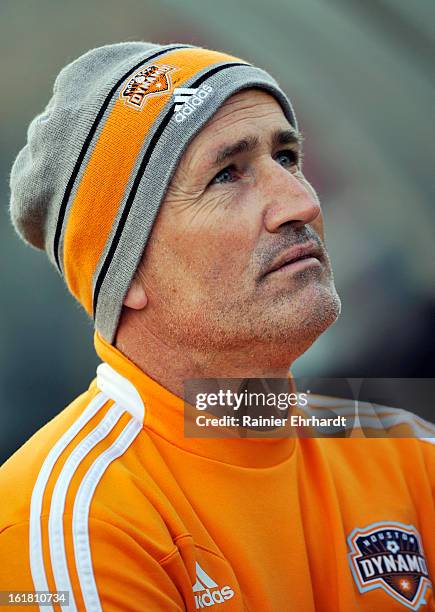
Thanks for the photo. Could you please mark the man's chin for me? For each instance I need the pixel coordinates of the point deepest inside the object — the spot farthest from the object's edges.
(282, 335)
(307, 313)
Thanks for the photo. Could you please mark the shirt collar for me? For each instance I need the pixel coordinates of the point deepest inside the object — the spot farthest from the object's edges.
(162, 412)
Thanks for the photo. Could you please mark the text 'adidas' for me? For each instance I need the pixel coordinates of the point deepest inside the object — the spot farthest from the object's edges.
(188, 99)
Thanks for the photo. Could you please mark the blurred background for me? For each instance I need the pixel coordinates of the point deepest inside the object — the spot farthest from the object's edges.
(360, 75)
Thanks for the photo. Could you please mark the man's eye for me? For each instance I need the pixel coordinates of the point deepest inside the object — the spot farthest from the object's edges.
(227, 175)
(288, 158)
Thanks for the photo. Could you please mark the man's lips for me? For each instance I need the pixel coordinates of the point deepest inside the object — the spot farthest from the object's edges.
(296, 253)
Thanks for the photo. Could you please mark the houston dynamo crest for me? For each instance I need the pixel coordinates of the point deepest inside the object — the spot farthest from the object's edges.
(390, 556)
(147, 81)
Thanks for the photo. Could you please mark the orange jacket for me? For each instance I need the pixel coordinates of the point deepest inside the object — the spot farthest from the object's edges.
(111, 502)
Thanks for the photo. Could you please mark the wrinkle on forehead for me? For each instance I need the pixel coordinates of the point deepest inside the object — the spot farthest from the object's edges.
(249, 106)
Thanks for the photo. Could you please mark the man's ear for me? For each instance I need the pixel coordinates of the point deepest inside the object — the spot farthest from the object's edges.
(136, 297)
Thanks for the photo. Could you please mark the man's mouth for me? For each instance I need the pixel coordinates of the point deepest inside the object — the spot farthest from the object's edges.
(297, 257)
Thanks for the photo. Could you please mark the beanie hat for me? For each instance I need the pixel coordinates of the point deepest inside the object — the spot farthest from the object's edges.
(88, 184)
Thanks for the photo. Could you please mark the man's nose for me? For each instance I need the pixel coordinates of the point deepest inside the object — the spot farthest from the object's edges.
(290, 199)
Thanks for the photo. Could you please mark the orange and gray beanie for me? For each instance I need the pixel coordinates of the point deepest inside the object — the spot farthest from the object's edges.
(88, 184)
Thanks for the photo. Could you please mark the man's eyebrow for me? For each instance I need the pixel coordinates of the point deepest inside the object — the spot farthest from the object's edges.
(286, 137)
(247, 145)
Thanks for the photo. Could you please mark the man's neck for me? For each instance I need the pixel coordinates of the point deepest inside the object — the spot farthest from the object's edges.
(172, 365)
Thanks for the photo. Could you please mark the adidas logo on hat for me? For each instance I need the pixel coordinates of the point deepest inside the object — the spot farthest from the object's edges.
(207, 592)
(188, 99)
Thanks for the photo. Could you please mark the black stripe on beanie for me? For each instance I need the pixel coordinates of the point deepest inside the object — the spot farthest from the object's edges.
(86, 144)
(138, 178)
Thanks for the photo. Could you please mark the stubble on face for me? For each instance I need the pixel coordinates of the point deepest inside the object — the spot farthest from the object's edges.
(204, 268)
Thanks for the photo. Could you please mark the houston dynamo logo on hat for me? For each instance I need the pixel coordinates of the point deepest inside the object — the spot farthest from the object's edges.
(390, 556)
(145, 82)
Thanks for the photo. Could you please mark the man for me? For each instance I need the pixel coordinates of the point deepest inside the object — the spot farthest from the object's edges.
(165, 183)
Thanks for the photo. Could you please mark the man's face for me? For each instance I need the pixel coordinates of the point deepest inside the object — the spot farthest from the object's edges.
(237, 208)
